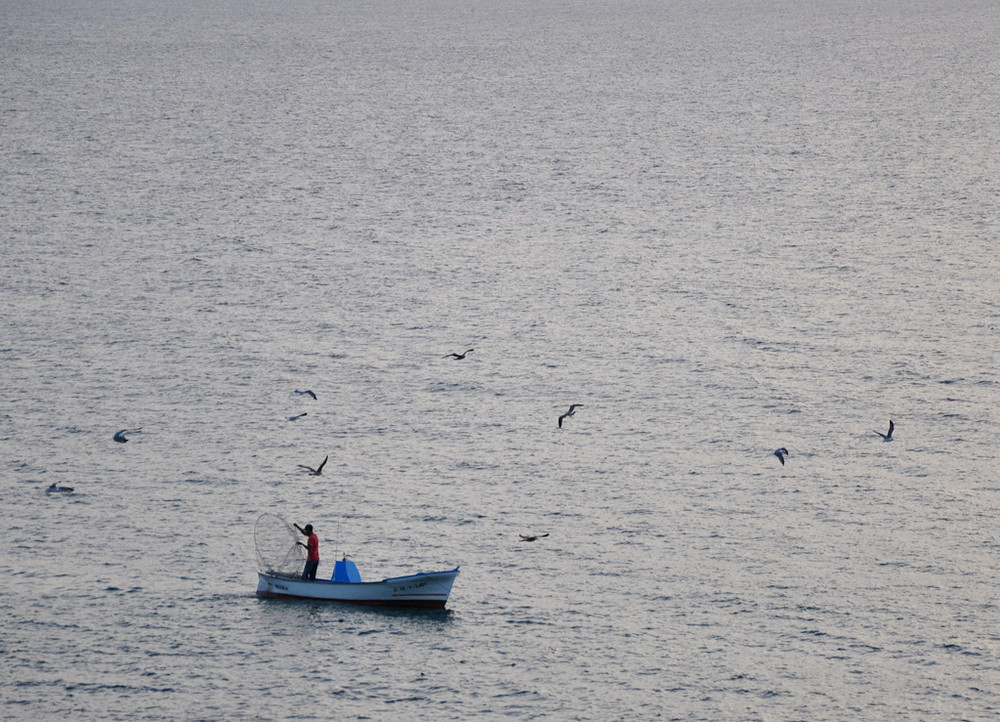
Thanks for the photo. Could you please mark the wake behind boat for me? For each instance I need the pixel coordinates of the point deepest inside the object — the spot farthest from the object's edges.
(281, 559)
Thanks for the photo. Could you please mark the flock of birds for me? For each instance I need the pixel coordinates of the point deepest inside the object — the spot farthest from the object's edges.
(121, 437)
(318, 471)
(780, 453)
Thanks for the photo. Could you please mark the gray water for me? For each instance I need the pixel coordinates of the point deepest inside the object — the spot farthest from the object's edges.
(723, 227)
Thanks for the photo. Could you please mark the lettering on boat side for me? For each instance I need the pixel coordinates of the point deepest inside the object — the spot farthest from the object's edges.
(281, 586)
(408, 587)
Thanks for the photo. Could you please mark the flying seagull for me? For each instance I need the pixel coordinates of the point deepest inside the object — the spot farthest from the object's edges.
(459, 356)
(120, 435)
(527, 538)
(318, 470)
(780, 453)
(887, 437)
(54, 487)
(307, 392)
(297, 416)
(572, 410)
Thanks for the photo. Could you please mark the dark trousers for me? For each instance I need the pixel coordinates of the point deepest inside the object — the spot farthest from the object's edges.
(309, 573)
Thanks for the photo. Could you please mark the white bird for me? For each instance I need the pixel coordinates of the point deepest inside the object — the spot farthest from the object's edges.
(780, 453)
(572, 410)
(54, 487)
(318, 470)
(887, 437)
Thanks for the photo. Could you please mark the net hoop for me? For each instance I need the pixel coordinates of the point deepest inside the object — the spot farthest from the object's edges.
(278, 551)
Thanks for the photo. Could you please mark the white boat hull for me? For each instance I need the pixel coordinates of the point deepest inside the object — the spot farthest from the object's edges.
(425, 589)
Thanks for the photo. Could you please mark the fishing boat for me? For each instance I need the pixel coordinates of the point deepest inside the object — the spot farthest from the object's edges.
(423, 589)
(280, 559)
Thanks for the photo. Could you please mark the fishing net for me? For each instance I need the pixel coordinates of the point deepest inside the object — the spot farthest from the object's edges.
(277, 548)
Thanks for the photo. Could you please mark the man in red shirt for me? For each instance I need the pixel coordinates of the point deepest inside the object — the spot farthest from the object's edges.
(312, 546)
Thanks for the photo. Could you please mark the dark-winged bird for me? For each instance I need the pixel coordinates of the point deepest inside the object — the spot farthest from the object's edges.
(572, 410)
(318, 470)
(527, 538)
(120, 435)
(781, 453)
(307, 392)
(459, 356)
(887, 437)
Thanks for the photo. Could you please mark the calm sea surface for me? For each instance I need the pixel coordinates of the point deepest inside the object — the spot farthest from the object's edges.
(723, 227)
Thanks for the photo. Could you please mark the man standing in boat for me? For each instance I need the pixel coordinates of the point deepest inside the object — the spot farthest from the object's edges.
(312, 546)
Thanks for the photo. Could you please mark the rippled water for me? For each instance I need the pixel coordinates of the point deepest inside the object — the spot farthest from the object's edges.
(722, 227)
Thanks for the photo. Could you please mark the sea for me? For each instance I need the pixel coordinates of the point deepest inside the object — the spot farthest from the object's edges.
(720, 227)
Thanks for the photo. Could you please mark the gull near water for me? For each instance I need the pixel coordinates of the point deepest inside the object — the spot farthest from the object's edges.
(572, 410)
(781, 453)
(120, 435)
(307, 392)
(887, 437)
(318, 470)
(530, 538)
(459, 356)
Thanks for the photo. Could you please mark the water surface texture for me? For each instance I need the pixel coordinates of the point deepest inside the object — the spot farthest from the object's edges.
(722, 227)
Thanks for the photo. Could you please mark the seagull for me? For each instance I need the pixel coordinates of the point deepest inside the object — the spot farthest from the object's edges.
(780, 453)
(66, 489)
(572, 410)
(120, 436)
(459, 356)
(297, 416)
(307, 392)
(318, 470)
(527, 538)
(887, 437)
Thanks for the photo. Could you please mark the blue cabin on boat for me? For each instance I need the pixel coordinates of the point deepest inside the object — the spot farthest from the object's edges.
(345, 571)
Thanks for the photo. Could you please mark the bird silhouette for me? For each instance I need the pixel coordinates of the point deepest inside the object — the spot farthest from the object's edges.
(55, 487)
(780, 453)
(887, 437)
(120, 435)
(318, 470)
(459, 356)
(531, 538)
(572, 410)
(307, 392)
(296, 417)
